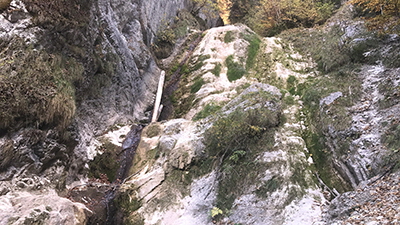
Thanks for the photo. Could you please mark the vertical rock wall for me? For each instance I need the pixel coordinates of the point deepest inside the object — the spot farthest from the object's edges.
(111, 40)
(127, 30)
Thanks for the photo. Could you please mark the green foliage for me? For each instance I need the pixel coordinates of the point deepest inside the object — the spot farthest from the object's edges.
(166, 36)
(252, 50)
(105, 70)
(106, 163)
(209, 109)
(237, 155)
(335, 117)
(217, 69)
(235, 140)
(237, 130)
(208, 6)
(199, 62)
(229, 36)
(182, 105)
(196, 86)
(322, 157)
(164, 43)
(37, 87)
(381, 15)
(235, 70)
(291, 84)
(127, 201)
(336, 58)
(153, 130)
(172, 31)
(269, 17)
(289, 100)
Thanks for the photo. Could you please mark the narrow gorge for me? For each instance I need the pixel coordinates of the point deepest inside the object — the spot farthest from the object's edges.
(301, 127)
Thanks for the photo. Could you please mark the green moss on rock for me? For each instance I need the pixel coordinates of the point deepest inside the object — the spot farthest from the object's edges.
(235, 69)
(37, 87)
(153, 130)
(105, 163)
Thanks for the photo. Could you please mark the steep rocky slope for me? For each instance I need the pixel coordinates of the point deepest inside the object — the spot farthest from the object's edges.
(243, 159)
(333, 129)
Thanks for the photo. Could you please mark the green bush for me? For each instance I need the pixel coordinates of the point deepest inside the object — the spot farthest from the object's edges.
(291, 84)
(289, 100)
(198, 83)
(206, 111)
(237, 155)
(229, 37)
(217, 69)
(235, 140)
(106, 163)
(199, 62)
(237, 130)
(235, 70)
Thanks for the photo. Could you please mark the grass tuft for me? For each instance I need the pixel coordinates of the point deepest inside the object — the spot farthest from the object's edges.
(206, 111)
(229, 37)
(252, 50)
(235, 70)
(198, 83)
(217, 69)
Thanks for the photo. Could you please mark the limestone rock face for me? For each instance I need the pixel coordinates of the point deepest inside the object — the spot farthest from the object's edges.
(283, 189)
(130, 29)
(40, 208)
(237, 154)
(368, 151)
(167, 173)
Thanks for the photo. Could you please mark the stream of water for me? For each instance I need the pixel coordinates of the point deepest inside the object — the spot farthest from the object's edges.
(99, 194)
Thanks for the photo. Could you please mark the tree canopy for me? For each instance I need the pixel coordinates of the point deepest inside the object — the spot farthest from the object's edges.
(268, 17)
(382, 15)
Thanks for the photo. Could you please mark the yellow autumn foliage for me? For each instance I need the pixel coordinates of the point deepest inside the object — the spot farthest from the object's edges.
(381, 15)
(268, 17)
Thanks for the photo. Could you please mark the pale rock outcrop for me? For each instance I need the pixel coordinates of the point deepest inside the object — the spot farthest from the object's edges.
(40, 208)
(283, 193)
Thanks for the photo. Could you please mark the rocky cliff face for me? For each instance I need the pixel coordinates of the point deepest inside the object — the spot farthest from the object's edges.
(257, 133)
(105, 47)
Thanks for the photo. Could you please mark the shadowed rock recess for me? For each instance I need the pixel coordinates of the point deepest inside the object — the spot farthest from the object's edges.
(299, 128)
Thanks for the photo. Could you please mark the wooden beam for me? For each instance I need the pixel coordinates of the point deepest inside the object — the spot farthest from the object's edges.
(156, 110)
